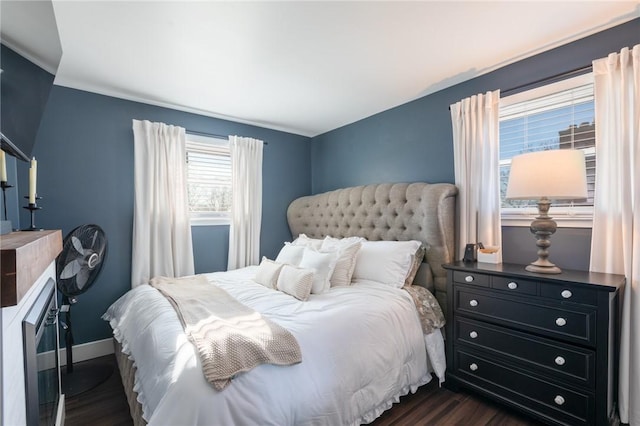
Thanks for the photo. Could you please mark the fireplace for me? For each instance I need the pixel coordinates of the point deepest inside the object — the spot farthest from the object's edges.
(42, 375)
(27, 266)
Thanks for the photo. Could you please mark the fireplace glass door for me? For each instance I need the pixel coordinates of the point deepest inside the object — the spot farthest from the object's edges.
(42, 376)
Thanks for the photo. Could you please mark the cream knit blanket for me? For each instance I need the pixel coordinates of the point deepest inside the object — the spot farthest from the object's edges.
(230, 337)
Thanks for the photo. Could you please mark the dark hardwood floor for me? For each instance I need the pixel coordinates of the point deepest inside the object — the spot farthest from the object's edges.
(106, 405)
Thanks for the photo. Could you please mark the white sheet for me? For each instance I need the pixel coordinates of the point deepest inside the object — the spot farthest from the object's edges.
(362, 348)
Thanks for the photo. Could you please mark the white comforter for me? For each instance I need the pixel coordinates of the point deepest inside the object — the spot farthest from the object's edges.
(362, 348)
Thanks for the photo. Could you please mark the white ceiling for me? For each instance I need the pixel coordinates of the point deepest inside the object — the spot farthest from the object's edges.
(302, 67)
(29, 27)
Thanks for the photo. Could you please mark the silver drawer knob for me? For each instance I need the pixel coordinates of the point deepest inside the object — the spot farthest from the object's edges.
(558, 400)
(473, 302)
(566, 294)
(468, 278)
(559, 360)
(560, 322)
(512, 285)
(473, 334)
(473, 367)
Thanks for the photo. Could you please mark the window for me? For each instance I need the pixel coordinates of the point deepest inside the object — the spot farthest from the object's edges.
(208, 180)
(557, 116)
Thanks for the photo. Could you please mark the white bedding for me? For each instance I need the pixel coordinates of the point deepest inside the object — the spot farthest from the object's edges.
(362, 348)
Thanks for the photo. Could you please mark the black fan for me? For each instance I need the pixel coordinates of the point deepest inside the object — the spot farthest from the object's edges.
(84, 251)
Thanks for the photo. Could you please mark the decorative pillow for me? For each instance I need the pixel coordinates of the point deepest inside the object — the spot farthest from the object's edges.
(347, 249)
(416, 261)
(295, 281)
(387, 262)
(267, 273)
(290, 254)
(322, 264)
(305, 241)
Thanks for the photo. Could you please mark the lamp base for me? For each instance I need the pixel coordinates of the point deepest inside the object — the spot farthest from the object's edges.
(547, 269)
(543, 227)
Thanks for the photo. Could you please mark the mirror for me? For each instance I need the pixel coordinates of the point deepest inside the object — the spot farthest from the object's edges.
(30, 53)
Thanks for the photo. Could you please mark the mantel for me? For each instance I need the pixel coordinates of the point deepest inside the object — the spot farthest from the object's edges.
(24, 257)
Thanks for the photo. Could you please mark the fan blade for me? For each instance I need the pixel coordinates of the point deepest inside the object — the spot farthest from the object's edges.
(82, 278)
(70, 269)
(77, 244)
(95, 237)
(101, 253)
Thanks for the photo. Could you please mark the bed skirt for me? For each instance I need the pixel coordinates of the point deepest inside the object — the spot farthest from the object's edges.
(127, 374)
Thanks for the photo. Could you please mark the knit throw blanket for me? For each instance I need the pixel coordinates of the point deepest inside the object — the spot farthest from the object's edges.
(230, 337)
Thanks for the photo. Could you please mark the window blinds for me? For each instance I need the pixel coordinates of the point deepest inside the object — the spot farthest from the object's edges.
(559, 120)
(208, 175)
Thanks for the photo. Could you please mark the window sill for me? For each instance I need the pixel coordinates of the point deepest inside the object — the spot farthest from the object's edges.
(563, 221)
(210, 221)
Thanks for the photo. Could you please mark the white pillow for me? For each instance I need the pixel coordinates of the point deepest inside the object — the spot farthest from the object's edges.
(295, 281)
(322, 265)
(347, 249)
(267, 273)
(290, 254)
(305, 241)
(387, 262)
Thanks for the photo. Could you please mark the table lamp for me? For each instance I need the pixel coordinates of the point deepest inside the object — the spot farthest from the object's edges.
(543, 176)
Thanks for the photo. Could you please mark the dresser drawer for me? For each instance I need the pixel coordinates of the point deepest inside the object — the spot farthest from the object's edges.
(515, 285)
(565, 362)
(471, 278)
(573, 323)
(548, 398)
(569, 293)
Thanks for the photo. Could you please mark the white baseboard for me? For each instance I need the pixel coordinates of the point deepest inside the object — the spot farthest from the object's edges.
(86, 351)
(83, 352)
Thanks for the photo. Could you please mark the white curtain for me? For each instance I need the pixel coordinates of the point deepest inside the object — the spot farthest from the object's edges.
(476, 148)
(246, 204)
(615, 243)
(161, 229)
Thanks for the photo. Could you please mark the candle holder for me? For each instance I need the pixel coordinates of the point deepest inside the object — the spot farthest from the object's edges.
(32, 207)
(5, 186)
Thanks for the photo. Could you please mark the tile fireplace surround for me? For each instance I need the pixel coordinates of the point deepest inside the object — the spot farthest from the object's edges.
(27, 262)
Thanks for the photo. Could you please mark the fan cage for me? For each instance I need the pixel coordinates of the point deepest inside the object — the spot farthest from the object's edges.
(92, 239)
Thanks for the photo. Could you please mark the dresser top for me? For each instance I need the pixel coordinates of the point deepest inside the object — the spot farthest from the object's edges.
(608, 282)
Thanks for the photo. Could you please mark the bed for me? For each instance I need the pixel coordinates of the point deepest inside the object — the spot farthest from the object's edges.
(362, 344)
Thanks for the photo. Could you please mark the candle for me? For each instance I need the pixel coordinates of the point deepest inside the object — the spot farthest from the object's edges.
(33, 170)
(3, 167)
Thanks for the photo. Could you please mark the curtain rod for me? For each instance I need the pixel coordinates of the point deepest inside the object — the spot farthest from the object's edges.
(551, 79)
(212, 135)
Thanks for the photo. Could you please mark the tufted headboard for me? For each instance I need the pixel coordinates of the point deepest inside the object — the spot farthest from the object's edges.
(392, 211)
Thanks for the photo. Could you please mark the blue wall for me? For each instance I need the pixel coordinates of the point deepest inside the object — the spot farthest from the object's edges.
(413, 142)
(85, 175)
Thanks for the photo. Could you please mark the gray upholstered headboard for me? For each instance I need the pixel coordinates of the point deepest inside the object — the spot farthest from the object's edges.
(396, 212)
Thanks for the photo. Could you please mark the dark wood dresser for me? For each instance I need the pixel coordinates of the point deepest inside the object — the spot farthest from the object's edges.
(542, 344)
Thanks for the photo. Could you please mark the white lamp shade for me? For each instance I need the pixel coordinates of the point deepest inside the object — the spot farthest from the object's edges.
(556, 174)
